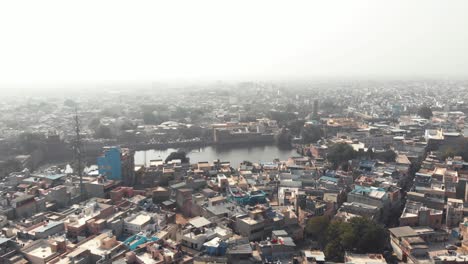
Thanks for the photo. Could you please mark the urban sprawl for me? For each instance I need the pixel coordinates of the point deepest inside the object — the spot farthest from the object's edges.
(379, 174)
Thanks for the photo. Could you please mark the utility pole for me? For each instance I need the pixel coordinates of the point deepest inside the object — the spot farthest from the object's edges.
(78, 147)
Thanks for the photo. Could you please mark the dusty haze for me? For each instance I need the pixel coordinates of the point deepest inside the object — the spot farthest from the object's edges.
(50, 42)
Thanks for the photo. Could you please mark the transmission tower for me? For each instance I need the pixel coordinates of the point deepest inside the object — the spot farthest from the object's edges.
(78, 148)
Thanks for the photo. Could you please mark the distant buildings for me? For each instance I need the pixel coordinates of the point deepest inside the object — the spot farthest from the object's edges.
(261, 131)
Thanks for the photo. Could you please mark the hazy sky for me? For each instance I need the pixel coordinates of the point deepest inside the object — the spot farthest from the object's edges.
(64, 41)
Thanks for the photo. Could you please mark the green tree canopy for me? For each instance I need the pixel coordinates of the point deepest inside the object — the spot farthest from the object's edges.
(149, 118)
(103, 132)
(94, 123)
(296, 126)
(340, 153)
(283, 138)
(311, 134)
(458, 149)
(31, 141)
(316, 228)
(359, 235)
(425, 112)
(281, 117)
(191, 132)
(387, 156)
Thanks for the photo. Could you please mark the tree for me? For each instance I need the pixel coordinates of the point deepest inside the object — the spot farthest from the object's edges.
(387, 156)
(149, 118)
(247, 163)
(460, 148)
(316, 228)
(281, 117)
(180, 113)
(195, 115)
(94, 124)
(127, 125)
(447, 152)
(425, 112)
(340, 153)
(191, 132)
(368, 236)
(103, 132)
(178, 155)
(359, 235)
(370, 153)
(31, 141)
(296, 127)
(283, 138)
(334, 251)
(8, 166)
(291, 108)
(311, 134)
(70, 103)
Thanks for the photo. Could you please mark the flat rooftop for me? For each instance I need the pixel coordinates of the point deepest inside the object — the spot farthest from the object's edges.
(41, 251)
(140, 219)
(94, 245)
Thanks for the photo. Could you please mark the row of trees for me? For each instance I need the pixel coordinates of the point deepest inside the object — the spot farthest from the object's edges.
(359, 235)
(157, 114)
(295, 128)
(339, 154)
(425, 112)
(460, 149)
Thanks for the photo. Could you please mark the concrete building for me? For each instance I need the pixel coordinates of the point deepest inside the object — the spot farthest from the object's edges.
(184, 200)
(369, 195)
(88, 219)
(135, 224)
(42, 251)
(27, 205)
(117, 164)
(256, 225)
(352, 258)
(97, 249)
(199, 231)
(359, 209)
(42, 230)
(416, 214)
(454, 212)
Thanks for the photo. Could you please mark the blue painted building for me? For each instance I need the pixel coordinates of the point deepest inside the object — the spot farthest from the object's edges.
(246, 198)
(110, 163)
(136, 240)
(215, 247)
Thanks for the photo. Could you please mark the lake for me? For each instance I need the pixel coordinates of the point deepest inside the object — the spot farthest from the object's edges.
(233, 154)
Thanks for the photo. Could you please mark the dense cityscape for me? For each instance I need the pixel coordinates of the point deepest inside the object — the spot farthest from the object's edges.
(336, 172)
(233, 132)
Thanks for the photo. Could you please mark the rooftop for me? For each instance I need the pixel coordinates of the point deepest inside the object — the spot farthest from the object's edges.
(402, 231)
(199, 221)
(140, 220)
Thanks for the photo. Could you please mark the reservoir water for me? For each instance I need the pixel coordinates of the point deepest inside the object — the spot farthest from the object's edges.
(233, 154)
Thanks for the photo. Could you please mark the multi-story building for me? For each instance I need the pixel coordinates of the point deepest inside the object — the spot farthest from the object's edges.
(27, 205)
(454, 212)
(416, 214)
(117, 164)
(137, 223)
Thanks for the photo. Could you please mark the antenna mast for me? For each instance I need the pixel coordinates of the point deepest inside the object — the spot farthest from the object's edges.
(78, 152)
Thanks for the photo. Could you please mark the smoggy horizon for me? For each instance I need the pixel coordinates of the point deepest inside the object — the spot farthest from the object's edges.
(52, 43)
